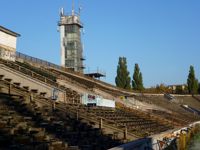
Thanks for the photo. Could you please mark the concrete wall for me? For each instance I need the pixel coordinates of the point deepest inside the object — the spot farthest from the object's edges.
(31, 82)
(105, 102)
(98, 100)
(7, 46)
(7, 54)
(140, 144)
(8, 40)
(62, 46)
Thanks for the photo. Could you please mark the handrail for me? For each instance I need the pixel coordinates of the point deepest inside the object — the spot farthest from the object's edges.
(28, 58)
(30, 73)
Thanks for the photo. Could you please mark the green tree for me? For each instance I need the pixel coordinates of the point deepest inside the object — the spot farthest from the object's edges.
(192, 82)
(196, 86)
(137, 82)
(122, 79)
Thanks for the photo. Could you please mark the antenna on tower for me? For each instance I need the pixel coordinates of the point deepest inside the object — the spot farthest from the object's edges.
(79, 8)
(61, 11)
(72, 7)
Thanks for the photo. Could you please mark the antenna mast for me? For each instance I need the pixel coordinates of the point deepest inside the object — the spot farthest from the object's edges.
(79, 8)
(72, 7)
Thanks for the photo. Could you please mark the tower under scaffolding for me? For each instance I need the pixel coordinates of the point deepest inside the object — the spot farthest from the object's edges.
(70, 40)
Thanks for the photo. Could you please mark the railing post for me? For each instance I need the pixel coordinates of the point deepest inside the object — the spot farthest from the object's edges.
(9, 89)
(53, 106)
(125, 133)
(77, 115)
(31, 97)
(100, 123)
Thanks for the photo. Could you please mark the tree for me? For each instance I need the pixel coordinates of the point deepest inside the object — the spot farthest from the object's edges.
(137, 82)
(192, 82)
(122, 79)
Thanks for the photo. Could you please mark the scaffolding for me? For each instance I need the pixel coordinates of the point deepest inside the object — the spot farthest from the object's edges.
(71, 45)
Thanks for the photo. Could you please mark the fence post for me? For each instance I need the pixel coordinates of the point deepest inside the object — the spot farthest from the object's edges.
(125, 133)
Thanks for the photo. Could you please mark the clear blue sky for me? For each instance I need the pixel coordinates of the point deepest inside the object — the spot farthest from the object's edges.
(162, 36)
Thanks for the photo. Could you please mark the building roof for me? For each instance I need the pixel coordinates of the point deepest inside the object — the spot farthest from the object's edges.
(3, 29)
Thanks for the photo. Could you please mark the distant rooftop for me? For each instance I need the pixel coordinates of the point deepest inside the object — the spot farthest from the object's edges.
(9, 31)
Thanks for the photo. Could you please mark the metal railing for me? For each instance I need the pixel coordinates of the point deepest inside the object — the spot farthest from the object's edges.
(28, 58)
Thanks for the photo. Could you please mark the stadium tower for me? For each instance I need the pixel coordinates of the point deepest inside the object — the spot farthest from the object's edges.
(70, 40)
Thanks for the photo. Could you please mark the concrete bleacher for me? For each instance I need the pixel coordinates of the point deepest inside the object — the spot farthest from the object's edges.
(39, 126)
(173, 107)
(136, 122)
(67, 124)
(133, 122)
(19, 129)
(42, 83)
(188, 100)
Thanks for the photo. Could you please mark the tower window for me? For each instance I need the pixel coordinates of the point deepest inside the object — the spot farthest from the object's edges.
(71, 29)
(69, 63)
(71, 45)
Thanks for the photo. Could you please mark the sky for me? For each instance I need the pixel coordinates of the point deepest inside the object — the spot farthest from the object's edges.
(162, 36)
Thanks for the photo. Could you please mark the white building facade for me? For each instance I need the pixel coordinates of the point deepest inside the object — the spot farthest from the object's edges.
(8, 43)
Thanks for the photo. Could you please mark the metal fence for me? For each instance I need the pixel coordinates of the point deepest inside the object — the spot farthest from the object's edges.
(28, 58)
